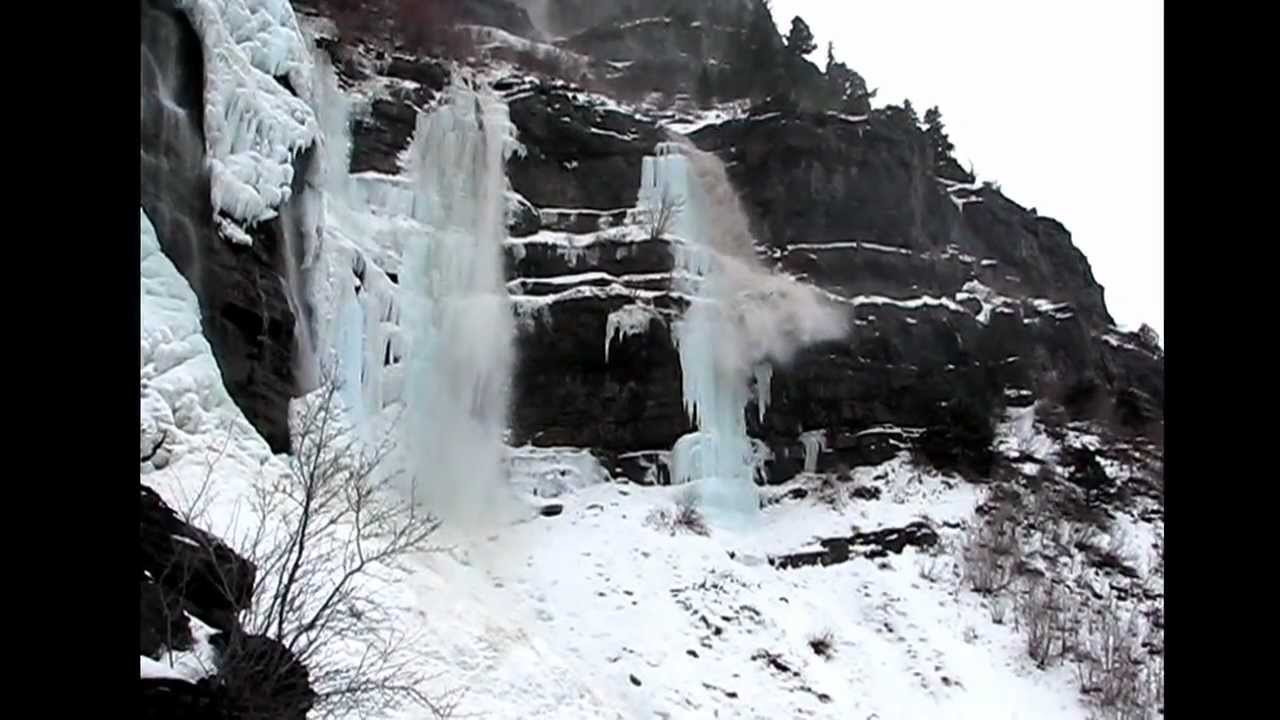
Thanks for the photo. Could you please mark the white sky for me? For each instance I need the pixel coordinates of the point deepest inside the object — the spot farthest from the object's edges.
(1062, 103)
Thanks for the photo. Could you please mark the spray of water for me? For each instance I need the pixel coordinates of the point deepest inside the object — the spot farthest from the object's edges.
(457, 311)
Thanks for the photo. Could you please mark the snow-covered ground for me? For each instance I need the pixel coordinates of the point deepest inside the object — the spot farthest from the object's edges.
(597, 612)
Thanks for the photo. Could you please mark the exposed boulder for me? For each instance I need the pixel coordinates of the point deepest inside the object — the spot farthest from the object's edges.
(212, 581)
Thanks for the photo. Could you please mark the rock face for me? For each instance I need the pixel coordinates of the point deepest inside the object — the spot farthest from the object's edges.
(244, 302)
(180, 561)
(577, 155)
(188, 573)
(959, 301)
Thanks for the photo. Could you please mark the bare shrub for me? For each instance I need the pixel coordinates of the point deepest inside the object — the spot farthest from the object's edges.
(999, 610)
(662, 212)
(685, 516)
(1041, 615)
(823, 644)
(990, 553)
(1121, 681)
(688, 515)
(326, 539)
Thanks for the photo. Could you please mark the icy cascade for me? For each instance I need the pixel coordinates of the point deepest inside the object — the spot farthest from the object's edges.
(253, 126)
(457, 312)
(719, 456)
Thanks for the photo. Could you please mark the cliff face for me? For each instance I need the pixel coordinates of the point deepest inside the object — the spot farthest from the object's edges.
(959, 300)
(244, 289)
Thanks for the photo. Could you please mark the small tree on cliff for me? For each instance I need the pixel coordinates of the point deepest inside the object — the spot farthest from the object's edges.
(847, 91)
(937, 134)
(800, 39)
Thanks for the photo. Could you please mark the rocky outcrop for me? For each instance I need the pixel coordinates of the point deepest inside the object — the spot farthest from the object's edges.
(959, 300)
(577, 154)
(181, 561)
(188, 573)
(872, 545)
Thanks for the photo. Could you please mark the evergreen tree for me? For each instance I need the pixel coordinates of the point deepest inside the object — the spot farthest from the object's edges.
(846, 90)
(911, 111)
(934, 130)
(800, 39)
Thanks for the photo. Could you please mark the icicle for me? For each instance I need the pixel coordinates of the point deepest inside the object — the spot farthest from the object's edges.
(814, 441)
(764, 381)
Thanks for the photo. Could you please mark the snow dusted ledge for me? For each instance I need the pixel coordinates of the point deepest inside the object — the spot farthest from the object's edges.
(254, 127)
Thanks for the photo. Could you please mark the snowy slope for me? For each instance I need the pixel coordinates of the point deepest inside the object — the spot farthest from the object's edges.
(598, 613)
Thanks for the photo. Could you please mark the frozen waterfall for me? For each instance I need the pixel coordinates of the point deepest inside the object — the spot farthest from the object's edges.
(719, 457)
(457, 314)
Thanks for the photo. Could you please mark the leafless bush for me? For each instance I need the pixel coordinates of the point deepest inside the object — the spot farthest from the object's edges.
(326, 538)
(1041, 615)
(662, 212)
(990, 553)
(1121, 681)
(686, 516)
(823, 644)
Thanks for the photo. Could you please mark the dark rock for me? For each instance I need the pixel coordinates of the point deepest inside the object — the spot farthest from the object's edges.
(626, 403)
(866, 492)
(644, 468)
(166, 699)
(162, 623)
(504, 14)
(613, 256)
(635, 680)
(577, 156)
(551, 509)
(522, 217)
(872, 545)
(378, 138)
(213, 582)
(261, 678)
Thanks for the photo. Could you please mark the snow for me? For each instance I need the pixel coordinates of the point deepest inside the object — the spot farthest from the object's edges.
(552, 472)
(1022, 436)
(156, 670)
(990, 299)
(687, 125)
(552, 617)
(849, 245)
(253, 127)
(612, 134)
(1123, 344)
(848, 118)
(914, 303)
(627, 320)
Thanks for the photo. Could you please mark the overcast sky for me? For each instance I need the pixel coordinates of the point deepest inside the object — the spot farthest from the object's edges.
(1062, 103)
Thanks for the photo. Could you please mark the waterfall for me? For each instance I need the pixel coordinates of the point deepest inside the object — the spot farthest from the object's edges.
(718, 456)
(458, 315)
(743, 320)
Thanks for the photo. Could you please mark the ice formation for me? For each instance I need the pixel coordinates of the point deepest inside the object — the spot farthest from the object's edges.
(253, 126)
(625, 321)
(814, 441)
(741, 319)
(456, 309)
